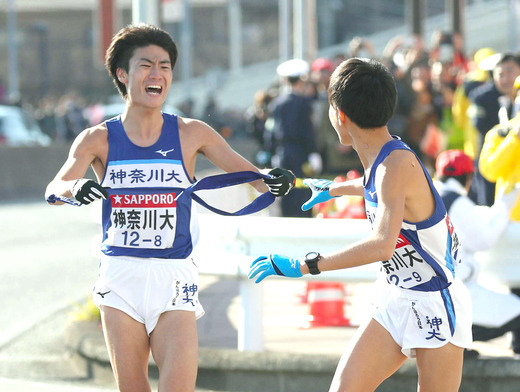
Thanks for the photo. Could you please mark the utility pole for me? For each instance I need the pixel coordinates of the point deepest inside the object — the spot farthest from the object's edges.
(146, 11)
(13, 89)
(284, 28)
(104, 27)
(235, 35)
(455, 10)
(312, 31)
(415, 16)
(298, 29)
(514, 13)
(186, 46)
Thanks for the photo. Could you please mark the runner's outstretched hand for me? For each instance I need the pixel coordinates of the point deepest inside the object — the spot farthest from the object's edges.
(282, 182)
(320, 192)
(86, 191)
(274, 265)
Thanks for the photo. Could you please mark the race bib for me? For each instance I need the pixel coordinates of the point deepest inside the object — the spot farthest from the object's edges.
(148, 222)
(406, 268)
(142, 220)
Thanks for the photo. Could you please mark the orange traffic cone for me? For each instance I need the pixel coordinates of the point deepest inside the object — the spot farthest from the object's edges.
(326, 302)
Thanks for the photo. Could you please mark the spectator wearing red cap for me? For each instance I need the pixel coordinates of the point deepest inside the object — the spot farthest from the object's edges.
(322, 64)
(478, 228)
(454, 163)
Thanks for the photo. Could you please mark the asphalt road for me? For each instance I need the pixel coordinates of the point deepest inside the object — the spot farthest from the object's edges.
(46, 263)
(47, 267)
(8, 385)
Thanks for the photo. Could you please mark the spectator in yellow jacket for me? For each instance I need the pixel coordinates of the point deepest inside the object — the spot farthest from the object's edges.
(500, 162)
(478, 75)
(500, 156)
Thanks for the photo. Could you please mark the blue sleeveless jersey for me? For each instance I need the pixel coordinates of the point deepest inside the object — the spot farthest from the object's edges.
(426, 252)
(141, 218)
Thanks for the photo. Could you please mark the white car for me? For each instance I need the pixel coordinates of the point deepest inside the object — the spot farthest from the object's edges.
(19, 128)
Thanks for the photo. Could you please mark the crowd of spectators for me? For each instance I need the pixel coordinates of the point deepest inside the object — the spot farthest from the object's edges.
(447, 99)
(62, 118)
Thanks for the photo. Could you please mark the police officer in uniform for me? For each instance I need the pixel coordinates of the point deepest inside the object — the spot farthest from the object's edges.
(290, 133)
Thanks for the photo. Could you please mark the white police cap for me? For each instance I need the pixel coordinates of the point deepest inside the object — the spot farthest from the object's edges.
(293, 68)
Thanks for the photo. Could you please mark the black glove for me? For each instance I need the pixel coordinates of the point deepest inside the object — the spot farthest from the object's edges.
(86, 191)
(282, 183)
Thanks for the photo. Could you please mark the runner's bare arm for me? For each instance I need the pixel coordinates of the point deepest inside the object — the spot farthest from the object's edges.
(214, 147)
(380, 245)
(88, 149)
(351, 187)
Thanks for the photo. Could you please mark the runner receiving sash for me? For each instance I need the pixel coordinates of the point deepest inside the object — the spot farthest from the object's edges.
(423, 310)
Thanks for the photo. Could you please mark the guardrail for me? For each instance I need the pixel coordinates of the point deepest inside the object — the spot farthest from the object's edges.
(228, 245)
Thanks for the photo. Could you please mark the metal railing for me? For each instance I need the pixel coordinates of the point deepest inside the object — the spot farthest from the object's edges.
(228, 246)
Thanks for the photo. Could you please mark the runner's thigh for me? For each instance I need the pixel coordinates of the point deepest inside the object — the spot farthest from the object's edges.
(440, 369)
(371, 357)
(129, 349)
(174, 343)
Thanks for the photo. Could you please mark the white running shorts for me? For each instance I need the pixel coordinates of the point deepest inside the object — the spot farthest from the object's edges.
(146, 288)
(426, 319)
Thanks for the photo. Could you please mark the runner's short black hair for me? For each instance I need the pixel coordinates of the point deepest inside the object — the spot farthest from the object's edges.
(365, 91)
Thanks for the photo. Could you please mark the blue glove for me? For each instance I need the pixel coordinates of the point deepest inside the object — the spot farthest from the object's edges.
(274, 265)
(320, 192)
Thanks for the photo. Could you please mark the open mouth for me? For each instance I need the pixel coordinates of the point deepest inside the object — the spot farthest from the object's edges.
(154, 90)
